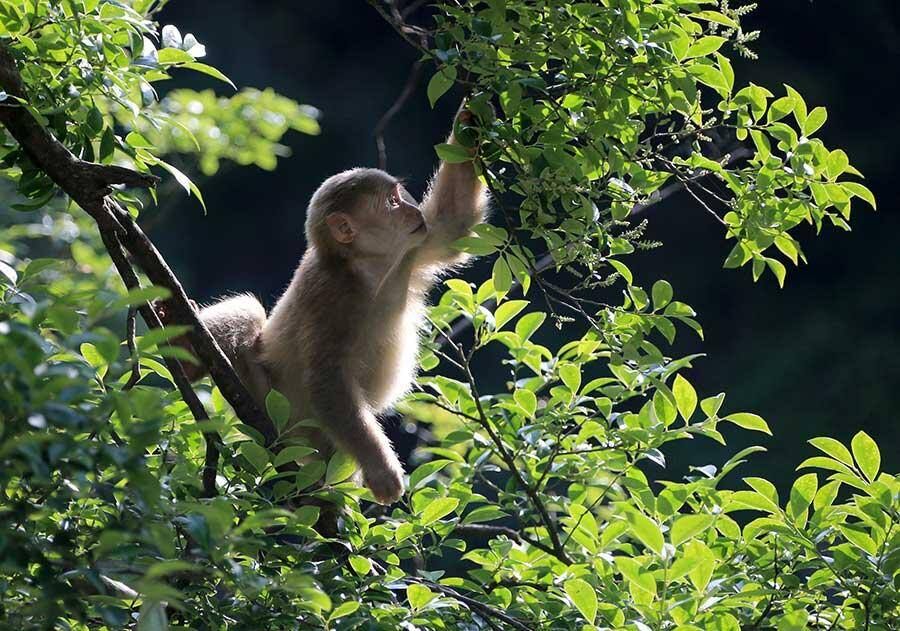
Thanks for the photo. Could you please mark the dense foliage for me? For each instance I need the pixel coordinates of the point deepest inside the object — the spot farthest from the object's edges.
(542, 505)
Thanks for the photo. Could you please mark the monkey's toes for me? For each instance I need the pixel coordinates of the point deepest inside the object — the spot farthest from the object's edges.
(385, 483)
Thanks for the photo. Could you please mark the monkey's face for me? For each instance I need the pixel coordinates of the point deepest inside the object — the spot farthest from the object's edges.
(389, 224)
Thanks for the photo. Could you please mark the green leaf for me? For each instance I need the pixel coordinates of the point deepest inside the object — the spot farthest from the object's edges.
(646, 530)
(685, 397)
(814, 121)
(754, 501)
(152, 617)
(866, 454)
(778, 269)
(419, 595)
(749, 421)
(501, 275)
(168, 56)
(361, 565)
(437, 509)
(622, 269)
(139, 296)
(826, 495)
(715, 16)
(340, 467)
(138, 141)
(484, 513)
(826, 463)
(453, 154)
(507, 311)
(571, 376)
(474, 245)
(764, 488)
(442, 81)
(636, 576)
(344, 609)
(859, 539)
(295, 453)
(209, 70)
(705, 46)
(833, 448)
(424, 472)
(712, 405)
(583, 597)
(278, 408)
(186, 183)
(526, 400)
(94, 358)
(705, 564)
(689, 526)
(662, 294)
(256, 455)
(529, 323)
(794, 621)
(858, 190)
(803, 492)
(711, 76)
(780, 108)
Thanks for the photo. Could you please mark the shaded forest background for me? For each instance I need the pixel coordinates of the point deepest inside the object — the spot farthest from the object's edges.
(821, 357)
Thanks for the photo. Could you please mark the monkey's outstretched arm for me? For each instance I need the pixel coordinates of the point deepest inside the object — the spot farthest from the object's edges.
(341, 413)
(456, 201)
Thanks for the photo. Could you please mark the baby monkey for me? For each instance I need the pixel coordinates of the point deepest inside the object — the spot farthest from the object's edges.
(342, 341)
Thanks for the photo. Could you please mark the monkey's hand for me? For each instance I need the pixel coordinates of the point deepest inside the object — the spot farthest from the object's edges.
(464, 132)
(384, 478)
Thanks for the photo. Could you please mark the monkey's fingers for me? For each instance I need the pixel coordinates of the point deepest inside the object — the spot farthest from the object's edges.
(465, 117)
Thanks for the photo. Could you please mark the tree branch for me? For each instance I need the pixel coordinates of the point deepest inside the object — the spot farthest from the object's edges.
(89, 185)
(120, 260)
(404, 30)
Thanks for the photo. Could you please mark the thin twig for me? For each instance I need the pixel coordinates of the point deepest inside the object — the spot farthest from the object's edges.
(412, 81)
(536, 500)
(120, 260)
(130, 330)
(485, 530)
(403, 29)
(475, 605)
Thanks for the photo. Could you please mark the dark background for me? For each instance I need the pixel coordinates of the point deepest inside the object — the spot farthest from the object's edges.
(821, 357)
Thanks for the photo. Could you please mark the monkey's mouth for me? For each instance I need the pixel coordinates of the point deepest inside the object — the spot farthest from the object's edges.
(419, 228)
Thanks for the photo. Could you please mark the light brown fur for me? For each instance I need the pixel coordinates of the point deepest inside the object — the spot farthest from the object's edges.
(342, 341)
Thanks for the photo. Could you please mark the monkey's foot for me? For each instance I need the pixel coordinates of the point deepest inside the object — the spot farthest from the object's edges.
(385, 480)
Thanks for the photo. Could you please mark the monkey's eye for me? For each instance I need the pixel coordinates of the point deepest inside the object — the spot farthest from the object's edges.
(394, 200)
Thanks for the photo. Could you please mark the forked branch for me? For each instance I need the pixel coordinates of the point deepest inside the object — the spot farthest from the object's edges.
(89, 185)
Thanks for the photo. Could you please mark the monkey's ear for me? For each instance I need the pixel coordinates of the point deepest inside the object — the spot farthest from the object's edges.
(341, 227)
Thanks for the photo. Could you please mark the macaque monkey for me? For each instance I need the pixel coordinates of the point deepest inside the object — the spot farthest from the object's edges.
(342, 341)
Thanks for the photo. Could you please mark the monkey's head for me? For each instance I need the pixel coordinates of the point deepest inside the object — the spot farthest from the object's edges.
(364, 212)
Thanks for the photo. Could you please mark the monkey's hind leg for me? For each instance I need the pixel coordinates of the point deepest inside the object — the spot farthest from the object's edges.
(236, 323)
